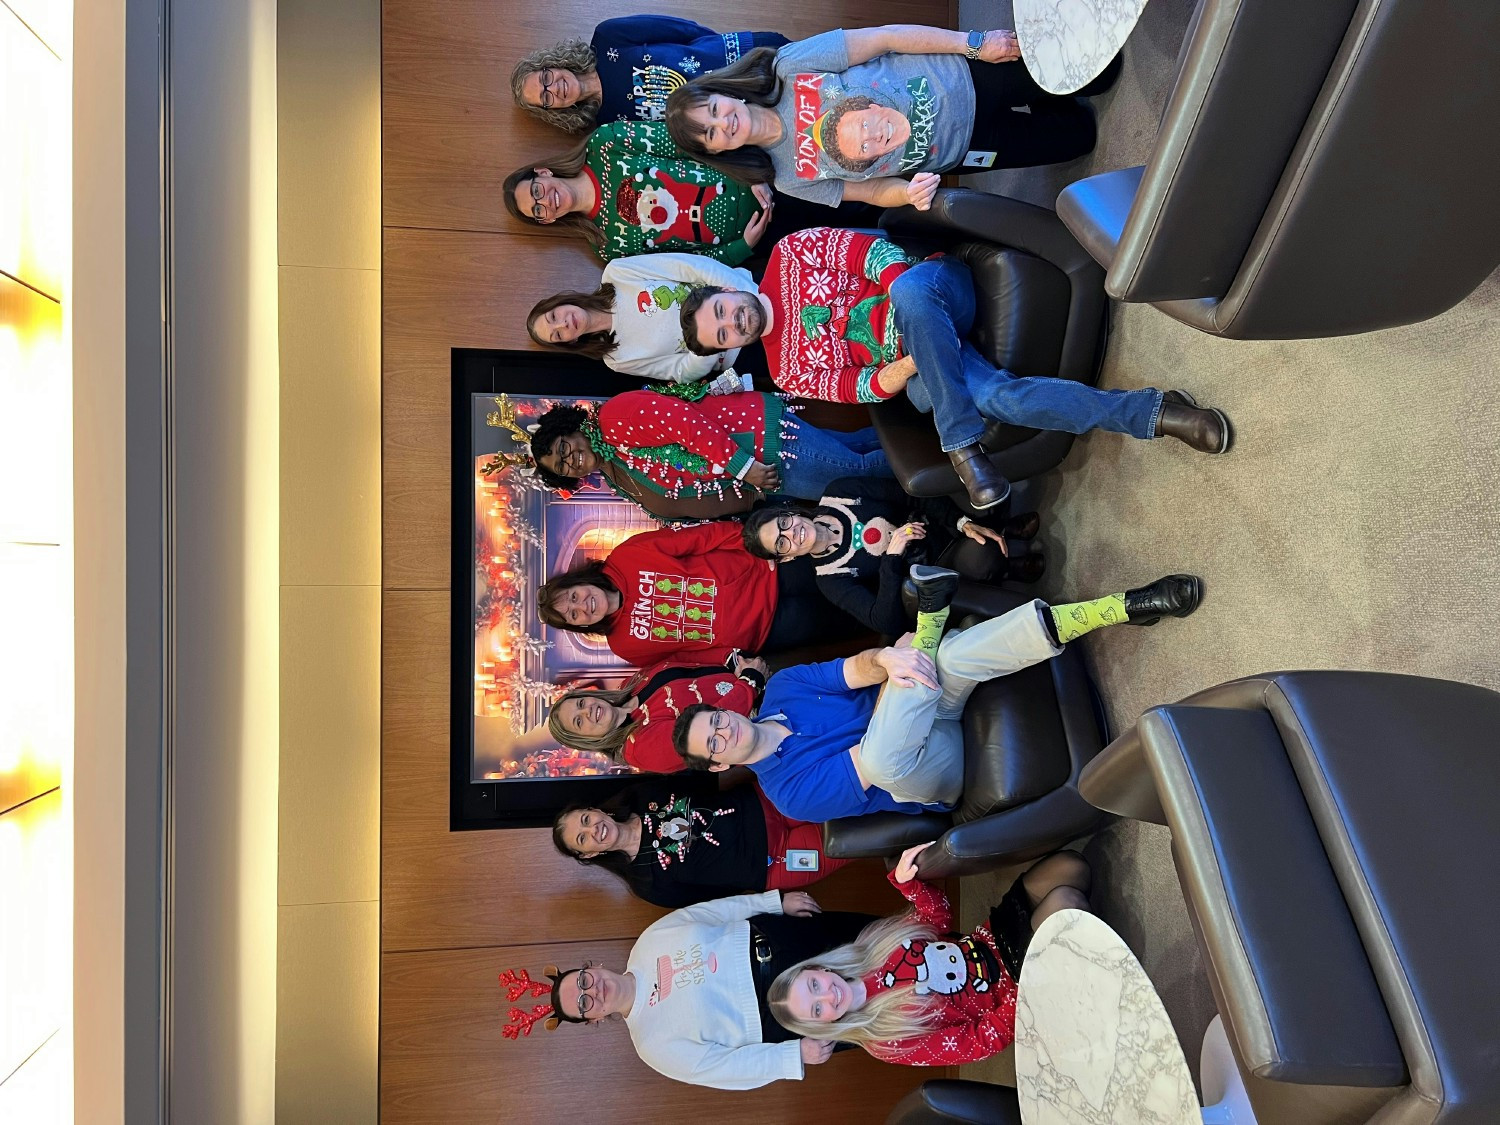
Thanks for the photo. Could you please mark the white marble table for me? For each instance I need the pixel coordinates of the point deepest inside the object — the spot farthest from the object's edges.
(1094, 1045)
(1066, 44)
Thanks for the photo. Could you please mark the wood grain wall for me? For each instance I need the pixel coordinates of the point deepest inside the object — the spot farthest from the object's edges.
(458, 907)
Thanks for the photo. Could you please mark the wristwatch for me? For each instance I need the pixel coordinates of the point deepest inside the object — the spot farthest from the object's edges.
(976, 41)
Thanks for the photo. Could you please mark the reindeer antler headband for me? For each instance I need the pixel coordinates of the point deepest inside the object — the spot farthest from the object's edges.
(505, 419)
(518, 983)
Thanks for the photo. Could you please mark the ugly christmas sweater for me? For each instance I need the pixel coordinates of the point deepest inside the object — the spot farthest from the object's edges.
(832, 330)
(962, 977)
(668, 688)
(673, 447)
(687, 590)
(642, 59)
(650, 197)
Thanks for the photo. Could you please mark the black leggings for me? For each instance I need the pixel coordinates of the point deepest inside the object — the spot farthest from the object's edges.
(1049, 130)
(803, 615)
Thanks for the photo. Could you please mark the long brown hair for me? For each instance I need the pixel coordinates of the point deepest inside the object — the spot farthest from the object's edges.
(570, 54)
(564, 167)
(611, 742)
(595, 345)
(895, 1013)
(752, 79)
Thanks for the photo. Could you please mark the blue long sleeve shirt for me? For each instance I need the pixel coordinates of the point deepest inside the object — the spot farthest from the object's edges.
(811, 776)
(642, 59)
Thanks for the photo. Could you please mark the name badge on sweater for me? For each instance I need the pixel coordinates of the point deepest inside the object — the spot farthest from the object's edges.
(977, 158)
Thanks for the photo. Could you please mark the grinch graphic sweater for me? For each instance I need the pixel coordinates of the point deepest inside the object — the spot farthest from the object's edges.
(667, 445)
(649, 291)
(687, 590)
(695, 1016)
(649, 197)
(668, 688)
(642, 59)
(962, 978)
(830, 297)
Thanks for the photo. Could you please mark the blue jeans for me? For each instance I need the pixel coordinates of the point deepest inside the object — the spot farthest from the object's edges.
(811, 458)
(933, 304)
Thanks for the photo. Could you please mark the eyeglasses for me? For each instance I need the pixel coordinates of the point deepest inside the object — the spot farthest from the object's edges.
(586, 982)
(547, 78)
(538, 209)
(783, 545)
(718, 739)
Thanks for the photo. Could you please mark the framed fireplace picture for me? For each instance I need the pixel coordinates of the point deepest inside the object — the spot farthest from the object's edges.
(510, 534)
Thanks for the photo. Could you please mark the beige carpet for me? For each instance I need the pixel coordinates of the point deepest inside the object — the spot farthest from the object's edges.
(1354, 524)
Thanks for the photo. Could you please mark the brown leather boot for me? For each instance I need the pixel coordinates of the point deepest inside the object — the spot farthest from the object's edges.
(985, 485)
(1206, 430)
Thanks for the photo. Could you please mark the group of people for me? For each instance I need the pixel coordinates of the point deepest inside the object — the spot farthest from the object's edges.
(726, 180)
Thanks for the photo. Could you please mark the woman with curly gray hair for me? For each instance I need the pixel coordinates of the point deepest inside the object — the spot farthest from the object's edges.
(627, 71)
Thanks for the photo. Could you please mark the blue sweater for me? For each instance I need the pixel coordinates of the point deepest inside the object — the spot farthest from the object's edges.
(642, 59)
(811, 776)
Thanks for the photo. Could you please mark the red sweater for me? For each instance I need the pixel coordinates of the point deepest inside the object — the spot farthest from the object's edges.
(832, 330)
(962, 976)
(649, 745)
(687, 590)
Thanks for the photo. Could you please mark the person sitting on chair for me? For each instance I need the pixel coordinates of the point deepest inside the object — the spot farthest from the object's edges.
(882, 730)
(849, 317)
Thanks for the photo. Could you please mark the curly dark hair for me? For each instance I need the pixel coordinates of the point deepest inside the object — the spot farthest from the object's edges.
(559, 422)
(595, 345)
(828, 133)
(589, 574)
(564, 167)
(689, 309)
(570, 54)
(752, 79)
(680, 736)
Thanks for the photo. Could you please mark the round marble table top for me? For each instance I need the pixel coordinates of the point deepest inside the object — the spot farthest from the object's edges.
(1094, 1045)
(1066, 44)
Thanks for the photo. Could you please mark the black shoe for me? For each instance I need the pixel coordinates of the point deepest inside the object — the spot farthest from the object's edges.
(983, 482)
(1176, 595)
(1024, 526)
(1026, 568)
(1205, 429)
(935, 585)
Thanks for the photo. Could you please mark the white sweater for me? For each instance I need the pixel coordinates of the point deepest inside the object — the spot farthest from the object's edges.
(649, 291)
(695, 1017)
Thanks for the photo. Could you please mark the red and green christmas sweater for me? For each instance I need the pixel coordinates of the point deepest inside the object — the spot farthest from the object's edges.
(961, 976)
(674, 447)
(649, 746)
(687, 590)
(650, 197)
(832, 329)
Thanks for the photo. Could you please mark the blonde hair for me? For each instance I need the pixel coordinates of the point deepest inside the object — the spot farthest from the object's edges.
(895, 1013)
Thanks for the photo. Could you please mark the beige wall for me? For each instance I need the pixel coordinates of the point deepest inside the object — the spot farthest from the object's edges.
(328, 112)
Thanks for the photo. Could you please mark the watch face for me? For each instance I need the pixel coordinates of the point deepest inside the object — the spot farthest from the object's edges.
(976, 40)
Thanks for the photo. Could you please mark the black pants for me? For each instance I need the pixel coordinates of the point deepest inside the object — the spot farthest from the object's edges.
(1051, 129)
(803, 615)
(793, 940)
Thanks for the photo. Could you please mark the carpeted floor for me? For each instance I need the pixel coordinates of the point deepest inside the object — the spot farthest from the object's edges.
(1354, 524)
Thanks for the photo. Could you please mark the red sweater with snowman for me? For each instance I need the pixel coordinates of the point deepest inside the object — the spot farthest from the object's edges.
(963, 978)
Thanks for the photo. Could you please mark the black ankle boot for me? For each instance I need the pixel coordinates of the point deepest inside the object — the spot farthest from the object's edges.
(1176, 595)
(983, 482)
(935, 586)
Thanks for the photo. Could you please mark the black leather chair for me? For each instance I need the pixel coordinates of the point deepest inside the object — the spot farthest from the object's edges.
(1335, 835)
(956, 1101)
(1029, 736)
(1042, 311)
(1321, 169)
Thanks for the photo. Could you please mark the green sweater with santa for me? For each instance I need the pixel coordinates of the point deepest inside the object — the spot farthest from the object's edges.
(650, 197)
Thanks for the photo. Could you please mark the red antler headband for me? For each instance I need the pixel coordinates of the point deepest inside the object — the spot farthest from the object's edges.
(518, 983)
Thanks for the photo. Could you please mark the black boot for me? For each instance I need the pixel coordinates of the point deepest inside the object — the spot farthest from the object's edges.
(935, 586)
(1024, 526)
(985, 485)
(1206, 430)
(1176, 595)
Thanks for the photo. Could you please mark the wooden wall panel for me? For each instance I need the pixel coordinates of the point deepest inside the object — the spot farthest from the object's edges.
(445, 1062)
(451, 133)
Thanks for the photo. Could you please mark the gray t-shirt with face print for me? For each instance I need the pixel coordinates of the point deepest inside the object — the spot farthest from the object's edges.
(933, 92)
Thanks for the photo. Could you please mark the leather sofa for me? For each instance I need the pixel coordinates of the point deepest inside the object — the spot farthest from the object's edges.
(1335, 835)
(1321, 169)
(1042, 311)
(957, 1101)
(1029, 736)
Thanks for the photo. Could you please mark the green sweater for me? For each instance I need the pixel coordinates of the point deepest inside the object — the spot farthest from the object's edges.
(651, 198)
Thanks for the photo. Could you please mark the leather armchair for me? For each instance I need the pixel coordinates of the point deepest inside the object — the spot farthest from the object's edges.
(1028, 737)
(1042, 311)
(1334, 833)
(957, 1101)
(1321, 169)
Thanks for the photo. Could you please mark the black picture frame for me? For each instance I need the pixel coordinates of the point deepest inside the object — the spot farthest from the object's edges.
(479, 805)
